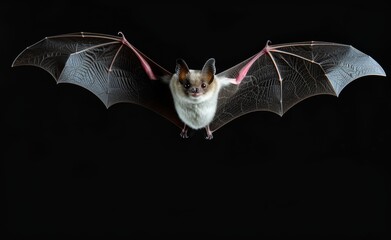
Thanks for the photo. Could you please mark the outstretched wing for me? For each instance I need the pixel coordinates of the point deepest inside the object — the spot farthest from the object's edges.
(282, 75)
(108, 66)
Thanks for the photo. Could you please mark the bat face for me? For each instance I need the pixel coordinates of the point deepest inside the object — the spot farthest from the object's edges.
(194, 85)
(197, 86)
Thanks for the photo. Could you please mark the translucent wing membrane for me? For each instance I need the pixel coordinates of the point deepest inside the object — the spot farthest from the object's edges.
(282, 75)
(108, 66)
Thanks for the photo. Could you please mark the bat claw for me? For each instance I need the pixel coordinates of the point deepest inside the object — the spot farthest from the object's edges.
(209, 137)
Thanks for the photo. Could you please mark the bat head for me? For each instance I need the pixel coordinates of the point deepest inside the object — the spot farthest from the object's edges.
(196, 84)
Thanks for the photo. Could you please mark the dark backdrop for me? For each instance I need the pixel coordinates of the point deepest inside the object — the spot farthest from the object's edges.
(70, 167)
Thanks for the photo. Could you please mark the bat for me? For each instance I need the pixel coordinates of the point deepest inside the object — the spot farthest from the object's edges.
(274, 79)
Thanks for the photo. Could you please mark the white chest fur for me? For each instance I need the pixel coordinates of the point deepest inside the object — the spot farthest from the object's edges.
(196, 114)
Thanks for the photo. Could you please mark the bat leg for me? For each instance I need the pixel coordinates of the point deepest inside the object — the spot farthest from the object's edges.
(184, 132)
(209, 134)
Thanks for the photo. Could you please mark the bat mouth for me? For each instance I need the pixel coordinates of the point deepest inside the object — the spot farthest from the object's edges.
(195, 94)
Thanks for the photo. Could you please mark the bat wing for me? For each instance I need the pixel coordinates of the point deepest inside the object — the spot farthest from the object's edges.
(282, 75)
(108, 66)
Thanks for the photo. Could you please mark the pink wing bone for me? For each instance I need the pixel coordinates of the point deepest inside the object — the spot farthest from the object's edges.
(243, 72)
(144, 62)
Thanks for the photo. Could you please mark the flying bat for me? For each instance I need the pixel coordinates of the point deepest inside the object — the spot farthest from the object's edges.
(274, 79)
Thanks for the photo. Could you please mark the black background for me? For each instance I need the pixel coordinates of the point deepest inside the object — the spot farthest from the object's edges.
(71, 167)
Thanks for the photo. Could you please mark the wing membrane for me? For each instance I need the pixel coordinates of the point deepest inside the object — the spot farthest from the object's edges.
(281, 76)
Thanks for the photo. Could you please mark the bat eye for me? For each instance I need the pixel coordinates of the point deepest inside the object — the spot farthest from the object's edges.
(186, 85)
(203, 85)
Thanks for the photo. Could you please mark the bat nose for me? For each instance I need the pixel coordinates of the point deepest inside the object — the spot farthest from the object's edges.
(194, 90)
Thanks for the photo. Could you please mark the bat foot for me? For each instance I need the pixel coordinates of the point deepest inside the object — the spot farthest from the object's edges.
(209, 135)
(183, 133)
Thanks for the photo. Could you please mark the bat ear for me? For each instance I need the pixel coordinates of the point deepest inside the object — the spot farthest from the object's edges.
(181, 69)
(209, 69)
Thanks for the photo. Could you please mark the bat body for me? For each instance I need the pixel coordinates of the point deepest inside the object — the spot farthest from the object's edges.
(275, 79)
(195, 94)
